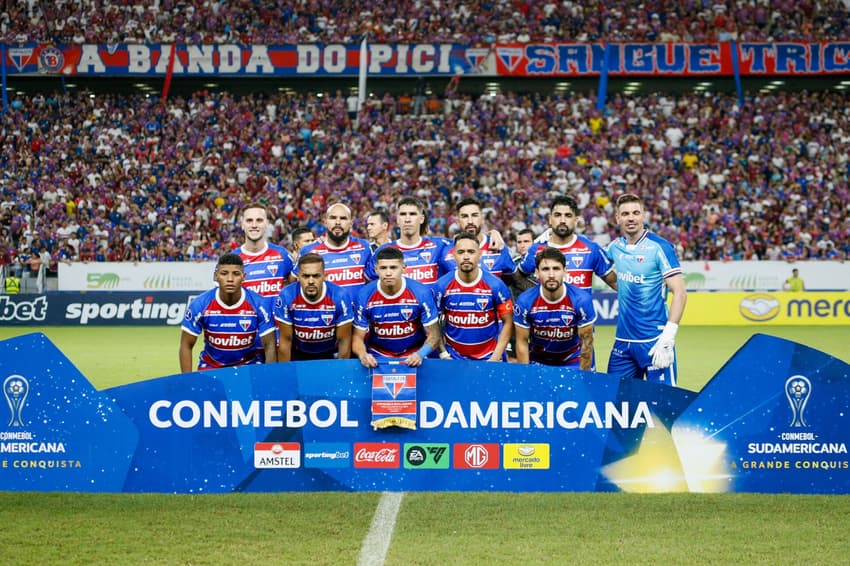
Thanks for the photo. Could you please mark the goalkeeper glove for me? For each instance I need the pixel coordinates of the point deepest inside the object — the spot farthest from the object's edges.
(662, 351)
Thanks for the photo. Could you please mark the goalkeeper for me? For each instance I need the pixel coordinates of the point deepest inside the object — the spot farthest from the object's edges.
(647, 268)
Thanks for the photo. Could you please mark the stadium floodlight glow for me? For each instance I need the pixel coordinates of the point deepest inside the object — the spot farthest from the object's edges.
(845, 83)
(70, 85)
(778, 83)
(704, 84)
(211, 85)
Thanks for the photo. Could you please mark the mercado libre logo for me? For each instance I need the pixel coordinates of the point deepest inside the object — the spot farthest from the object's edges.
(759, 307)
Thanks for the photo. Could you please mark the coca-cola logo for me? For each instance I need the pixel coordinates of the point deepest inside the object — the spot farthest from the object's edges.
(377, 455)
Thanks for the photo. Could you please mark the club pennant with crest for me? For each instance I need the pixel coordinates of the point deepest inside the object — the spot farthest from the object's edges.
(393, 396)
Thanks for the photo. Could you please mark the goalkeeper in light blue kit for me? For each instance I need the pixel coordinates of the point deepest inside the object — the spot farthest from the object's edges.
(647, 268)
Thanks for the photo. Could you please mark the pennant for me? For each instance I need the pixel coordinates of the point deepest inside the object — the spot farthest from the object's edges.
(168, 74)
(393, 396)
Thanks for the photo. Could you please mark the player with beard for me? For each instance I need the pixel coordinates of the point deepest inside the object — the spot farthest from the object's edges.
(314, 316)
(477, 306)
(267, 266)
(495, 256)
(395, 317)
(584, 257)
(554, 321)
(424, 257)
(345, 256)
(237, 324)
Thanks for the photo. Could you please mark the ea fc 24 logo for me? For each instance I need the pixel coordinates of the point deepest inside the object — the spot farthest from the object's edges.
(759, 307)
(426, 456)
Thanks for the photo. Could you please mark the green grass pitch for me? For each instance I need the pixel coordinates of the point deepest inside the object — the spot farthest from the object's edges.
(432, 528)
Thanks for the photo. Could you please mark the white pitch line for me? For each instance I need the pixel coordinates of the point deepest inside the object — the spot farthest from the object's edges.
(377, 541)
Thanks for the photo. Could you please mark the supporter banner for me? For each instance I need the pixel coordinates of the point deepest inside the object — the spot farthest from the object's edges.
(536, 59)
(764, 275)
(136, 276)
(757, 427)
(769, 309)
(95, 309)
(671, 59)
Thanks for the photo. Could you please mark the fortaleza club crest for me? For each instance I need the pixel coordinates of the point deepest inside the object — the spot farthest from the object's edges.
(16, 388)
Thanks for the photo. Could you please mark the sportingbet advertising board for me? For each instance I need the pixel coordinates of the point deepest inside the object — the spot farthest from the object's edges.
(774, 419)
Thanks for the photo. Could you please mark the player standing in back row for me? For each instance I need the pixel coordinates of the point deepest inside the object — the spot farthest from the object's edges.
(267, 266)
(647, 268)
(345, 256)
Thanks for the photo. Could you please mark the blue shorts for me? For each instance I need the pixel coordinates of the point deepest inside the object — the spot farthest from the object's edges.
(632, 359)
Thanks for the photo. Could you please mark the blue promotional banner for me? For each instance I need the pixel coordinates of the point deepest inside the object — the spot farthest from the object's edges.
(774, 419)
(433, 59)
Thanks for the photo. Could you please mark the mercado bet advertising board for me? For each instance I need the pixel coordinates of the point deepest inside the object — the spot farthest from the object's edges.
(774, 419)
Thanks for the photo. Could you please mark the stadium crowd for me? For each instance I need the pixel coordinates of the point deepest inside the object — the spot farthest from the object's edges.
(110, 177)
(470, 22)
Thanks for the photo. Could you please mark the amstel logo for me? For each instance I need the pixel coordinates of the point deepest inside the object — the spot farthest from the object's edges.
(759, 307)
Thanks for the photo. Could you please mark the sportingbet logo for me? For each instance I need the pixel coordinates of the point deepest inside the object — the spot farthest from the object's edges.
(469, 319)
(346, 277)
(265, 288)
(395, 331)
(314, 335)
(581, 279)
(630, 278)
(230, 342)
(139, 309)
(377, 455)
(22, 311)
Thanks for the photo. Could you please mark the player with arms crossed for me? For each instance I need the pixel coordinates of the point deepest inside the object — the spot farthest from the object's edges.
(267, 266)
(495, 256)
(584, 257)
(554, 321)
(314, 316)
(478, 307)
(345, 256)
(647, 268)
(395, 317)
(237, 324)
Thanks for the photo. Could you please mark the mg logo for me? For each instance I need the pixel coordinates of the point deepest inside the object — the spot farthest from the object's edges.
(476, 456)
(483, 456)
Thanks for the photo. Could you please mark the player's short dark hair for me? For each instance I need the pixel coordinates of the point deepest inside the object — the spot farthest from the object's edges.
(230, 258)
(298, 231)
(550, 253)
(563, 200)
(385, 218)
(389, 253)
(465, 236)
(413, 201)
(627, 198)
(468, 201)
(311, 258)
(526, 231)
(410, 201)
(254, 204)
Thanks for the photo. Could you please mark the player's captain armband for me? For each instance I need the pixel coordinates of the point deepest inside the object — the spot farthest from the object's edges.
(505, 308)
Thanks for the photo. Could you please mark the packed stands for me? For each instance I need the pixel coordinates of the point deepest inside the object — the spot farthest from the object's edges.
(431, 21)
(111, 177)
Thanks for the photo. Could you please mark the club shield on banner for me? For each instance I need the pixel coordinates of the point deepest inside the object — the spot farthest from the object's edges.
(393, 396)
